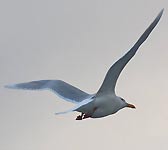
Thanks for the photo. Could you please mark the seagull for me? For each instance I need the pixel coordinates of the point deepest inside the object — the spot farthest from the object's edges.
(105, 102)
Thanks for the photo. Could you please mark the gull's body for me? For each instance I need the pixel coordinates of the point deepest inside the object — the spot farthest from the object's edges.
(105, 102)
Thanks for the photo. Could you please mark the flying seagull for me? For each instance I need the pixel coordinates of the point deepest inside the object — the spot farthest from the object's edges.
(105, 102)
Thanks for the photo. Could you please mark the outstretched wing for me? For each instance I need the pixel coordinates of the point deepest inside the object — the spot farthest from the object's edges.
(61, 88)
(113, 73)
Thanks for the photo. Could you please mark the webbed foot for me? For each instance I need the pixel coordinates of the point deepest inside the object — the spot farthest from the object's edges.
(86, 116)
(80, 117)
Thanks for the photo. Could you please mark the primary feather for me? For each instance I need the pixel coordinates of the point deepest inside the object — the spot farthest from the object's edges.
(60, 88)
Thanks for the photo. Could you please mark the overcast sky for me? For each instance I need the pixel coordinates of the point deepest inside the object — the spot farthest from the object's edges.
(77, 41)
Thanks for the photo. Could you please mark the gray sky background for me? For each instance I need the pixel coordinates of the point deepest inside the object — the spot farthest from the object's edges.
(77, 41)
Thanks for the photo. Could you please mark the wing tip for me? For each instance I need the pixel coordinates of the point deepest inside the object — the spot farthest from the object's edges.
(158, 17)
(10, 86)
(160, 13)
(162, 10)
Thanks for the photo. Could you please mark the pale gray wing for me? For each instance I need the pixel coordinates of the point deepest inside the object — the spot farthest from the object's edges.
(61, 88)
(113, 73)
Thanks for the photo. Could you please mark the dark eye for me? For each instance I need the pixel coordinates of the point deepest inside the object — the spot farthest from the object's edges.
(122, 99)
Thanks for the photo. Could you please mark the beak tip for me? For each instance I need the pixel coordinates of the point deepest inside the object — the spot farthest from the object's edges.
(131, 106)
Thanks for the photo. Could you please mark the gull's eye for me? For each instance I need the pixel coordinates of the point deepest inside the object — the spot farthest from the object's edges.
(122, 99)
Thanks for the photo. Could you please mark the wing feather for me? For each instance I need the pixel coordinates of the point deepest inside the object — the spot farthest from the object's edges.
(60, 88)
(113, 73)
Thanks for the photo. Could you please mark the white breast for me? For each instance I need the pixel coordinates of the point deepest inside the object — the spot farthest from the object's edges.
(107, 105)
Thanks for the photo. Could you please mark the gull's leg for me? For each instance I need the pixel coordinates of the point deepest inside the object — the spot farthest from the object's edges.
(86, 116)
(89, 115)
(80, 117)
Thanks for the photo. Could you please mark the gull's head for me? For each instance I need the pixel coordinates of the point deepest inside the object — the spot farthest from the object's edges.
(127, 104)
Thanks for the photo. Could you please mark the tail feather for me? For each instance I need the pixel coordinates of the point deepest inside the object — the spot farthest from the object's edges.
(67, 111)
(64, 112)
